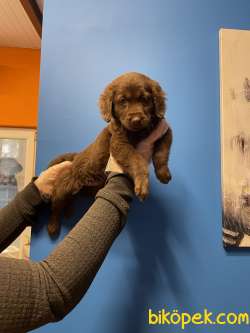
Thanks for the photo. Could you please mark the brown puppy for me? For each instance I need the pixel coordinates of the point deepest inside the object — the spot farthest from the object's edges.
(133, 105)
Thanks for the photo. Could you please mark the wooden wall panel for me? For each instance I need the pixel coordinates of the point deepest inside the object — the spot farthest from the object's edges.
(16, 28)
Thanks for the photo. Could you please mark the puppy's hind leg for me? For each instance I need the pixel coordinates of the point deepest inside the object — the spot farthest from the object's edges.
(65, 186)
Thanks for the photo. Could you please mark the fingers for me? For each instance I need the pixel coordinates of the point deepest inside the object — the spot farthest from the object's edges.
(45, 182)
(161, 129)
(52, 172)
(163, 126)
(57, 168)
(158, 132)
(62, 165)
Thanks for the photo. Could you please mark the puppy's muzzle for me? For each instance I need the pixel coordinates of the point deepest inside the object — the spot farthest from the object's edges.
(137, 122)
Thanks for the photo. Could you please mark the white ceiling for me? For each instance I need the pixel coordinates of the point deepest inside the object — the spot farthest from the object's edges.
(16, 29)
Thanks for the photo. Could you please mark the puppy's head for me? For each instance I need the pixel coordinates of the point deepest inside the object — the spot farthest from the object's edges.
(133, 99)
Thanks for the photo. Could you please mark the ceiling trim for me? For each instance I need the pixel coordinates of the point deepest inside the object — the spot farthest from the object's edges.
(32, 10)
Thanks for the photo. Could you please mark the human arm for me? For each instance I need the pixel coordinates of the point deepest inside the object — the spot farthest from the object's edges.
(33, 294)
(18, 214)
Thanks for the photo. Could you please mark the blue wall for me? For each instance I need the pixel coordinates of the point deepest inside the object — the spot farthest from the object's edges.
(170, 253)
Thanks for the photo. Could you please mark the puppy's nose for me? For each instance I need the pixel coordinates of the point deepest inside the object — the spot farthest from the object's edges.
(136, 121)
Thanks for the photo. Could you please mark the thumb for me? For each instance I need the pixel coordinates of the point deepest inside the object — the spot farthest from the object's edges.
(62, 165)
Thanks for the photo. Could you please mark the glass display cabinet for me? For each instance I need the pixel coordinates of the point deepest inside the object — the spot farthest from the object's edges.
(17, 167)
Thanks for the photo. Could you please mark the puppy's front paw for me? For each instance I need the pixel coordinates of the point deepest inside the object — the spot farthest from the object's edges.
(163, 174)
(141, 188)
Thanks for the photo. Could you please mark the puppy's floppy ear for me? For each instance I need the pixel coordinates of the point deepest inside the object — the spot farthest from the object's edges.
(159, 97)
(106, 101)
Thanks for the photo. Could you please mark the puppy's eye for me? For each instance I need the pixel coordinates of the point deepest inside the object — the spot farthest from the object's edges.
(123, 101)
(145, 99)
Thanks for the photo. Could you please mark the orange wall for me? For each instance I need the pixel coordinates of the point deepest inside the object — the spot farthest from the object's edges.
(19, 87)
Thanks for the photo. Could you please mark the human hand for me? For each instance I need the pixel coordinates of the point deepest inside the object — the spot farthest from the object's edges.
(145, 147)
(45, 182)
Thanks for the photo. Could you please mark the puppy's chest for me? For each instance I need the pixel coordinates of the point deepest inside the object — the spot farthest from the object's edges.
(135, 137)
(134, 140)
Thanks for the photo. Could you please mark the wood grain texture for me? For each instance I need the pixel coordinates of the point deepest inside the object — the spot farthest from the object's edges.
(16, 28)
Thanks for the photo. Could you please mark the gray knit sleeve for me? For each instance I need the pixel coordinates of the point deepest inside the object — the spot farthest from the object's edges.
(46, 291)
(18, 214)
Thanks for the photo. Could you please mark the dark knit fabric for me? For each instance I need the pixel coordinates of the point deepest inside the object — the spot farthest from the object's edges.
(35, 293)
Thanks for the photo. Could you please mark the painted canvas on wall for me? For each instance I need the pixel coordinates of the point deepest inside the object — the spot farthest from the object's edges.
(235, 136)
(17, 155)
